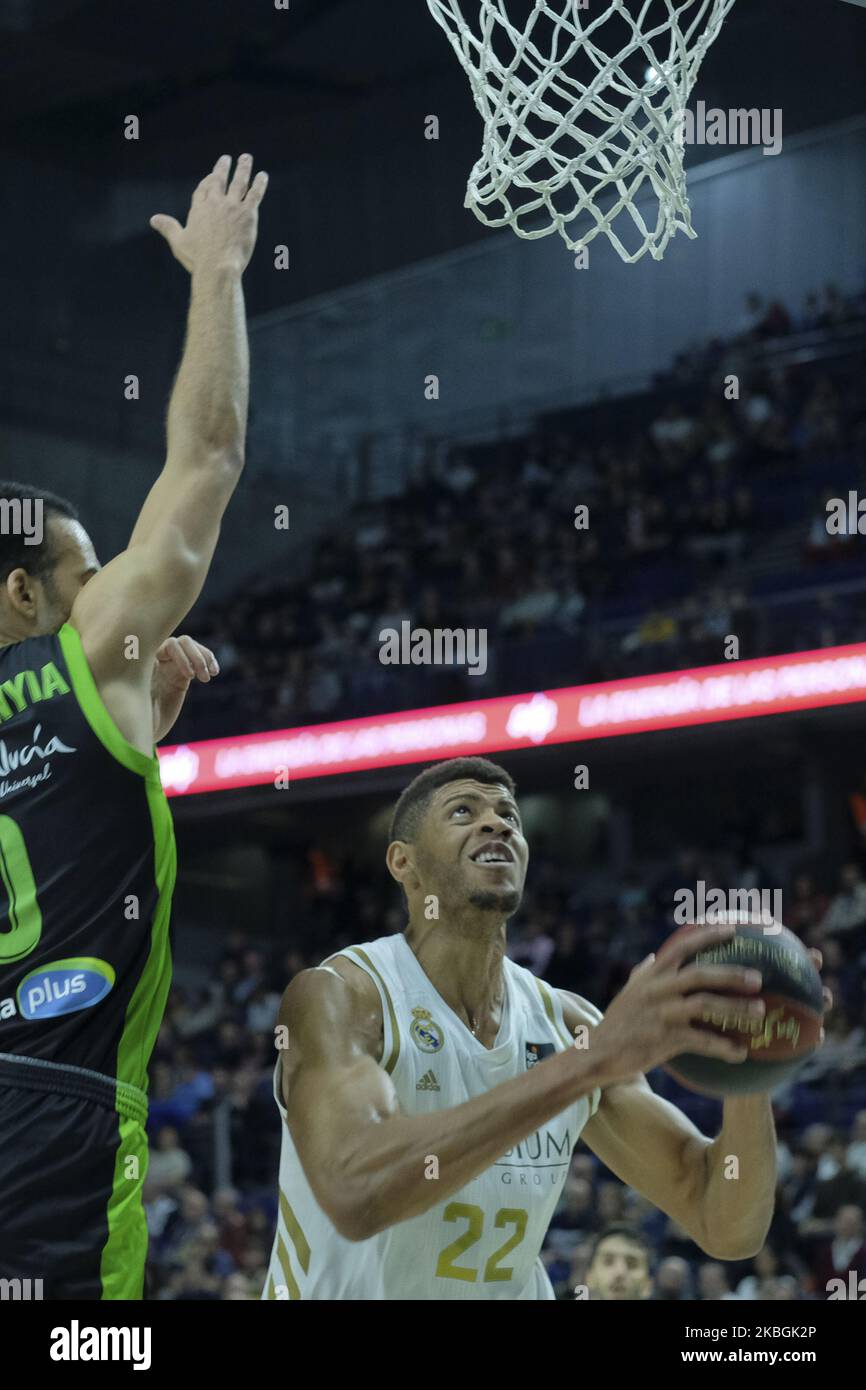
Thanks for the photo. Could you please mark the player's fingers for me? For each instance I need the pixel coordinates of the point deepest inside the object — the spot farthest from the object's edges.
(241, 180)
(258, 188)
(172, 651)
(711, 977)
(168, 227)
(202, 189)
(828, 999)
(212, 664)
(221, 171)
(215, 181)
(643, 968)
(198, 657)
(720, 1009)
(711, 1045)
(698, 939)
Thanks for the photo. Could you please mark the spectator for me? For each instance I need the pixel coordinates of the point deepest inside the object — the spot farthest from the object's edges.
(619, 1265)
(753, 316)
(765, 1268)
(838, 1188)
(673, 1283)
(169, 1165)
(846, 1250)
(847, 911)
(713, 1282)
(534, 949)
(575, 1211)
(855, 1157)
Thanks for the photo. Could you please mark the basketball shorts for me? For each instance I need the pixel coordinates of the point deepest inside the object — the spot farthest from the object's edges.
(73, 1158)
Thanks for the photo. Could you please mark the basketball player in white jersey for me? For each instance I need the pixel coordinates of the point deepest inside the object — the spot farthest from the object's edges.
(432, 1091)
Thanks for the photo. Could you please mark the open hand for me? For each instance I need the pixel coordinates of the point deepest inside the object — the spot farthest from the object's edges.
(223, 220)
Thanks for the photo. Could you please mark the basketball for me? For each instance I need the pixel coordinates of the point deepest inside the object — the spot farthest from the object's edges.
(780, 1041)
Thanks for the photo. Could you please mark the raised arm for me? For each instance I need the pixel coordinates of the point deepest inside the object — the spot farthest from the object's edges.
(365, 1159)
(149, 588)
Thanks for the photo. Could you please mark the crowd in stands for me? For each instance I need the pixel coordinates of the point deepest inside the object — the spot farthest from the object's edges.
(706, 516)
(211, 1192)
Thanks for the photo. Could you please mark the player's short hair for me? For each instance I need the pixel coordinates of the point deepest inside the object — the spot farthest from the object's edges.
(414, 799)
(15, 551)
(627, 1232)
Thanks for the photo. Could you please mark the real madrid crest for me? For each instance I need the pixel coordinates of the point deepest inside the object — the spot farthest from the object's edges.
(425, 1033)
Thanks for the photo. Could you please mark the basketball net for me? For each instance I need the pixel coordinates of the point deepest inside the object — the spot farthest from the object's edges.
(583, 103)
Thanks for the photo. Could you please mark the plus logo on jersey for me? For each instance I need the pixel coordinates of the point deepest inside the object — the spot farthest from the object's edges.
(60, 987)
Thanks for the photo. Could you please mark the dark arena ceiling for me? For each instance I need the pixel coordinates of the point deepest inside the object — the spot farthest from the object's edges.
(330, 95)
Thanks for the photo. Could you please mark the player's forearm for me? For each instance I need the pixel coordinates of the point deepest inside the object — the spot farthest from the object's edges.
(408, 1163)
(207, 414)
(740, 1187)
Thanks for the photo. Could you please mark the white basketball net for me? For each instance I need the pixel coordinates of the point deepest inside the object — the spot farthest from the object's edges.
(583, 103)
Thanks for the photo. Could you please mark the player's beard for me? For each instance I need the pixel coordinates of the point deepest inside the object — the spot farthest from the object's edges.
(505, 903)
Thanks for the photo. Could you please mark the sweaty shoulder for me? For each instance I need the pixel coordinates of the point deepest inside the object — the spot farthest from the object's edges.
(332, 1013)
(366, 1004)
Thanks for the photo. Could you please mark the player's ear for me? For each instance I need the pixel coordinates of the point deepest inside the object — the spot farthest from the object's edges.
(399, 860)
(20, 593)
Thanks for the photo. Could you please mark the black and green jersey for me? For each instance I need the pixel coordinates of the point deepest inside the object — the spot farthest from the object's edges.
(87, 867)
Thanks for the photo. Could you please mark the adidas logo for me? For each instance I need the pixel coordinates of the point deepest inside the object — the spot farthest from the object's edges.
(428, 1082)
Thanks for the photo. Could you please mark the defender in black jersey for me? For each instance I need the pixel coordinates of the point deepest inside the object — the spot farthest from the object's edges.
(87, 863)
(90, 679)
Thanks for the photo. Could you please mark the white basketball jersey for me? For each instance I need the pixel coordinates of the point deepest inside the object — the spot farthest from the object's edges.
(484, 1240)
